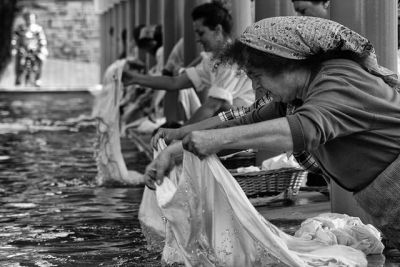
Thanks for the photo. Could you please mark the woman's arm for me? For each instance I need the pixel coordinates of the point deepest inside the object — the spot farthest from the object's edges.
(157, 82)
(178, 134)
(273, 135)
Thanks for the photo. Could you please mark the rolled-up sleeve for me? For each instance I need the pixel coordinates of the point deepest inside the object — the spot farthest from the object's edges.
(200, 75)
(231, 84)
(270, 111)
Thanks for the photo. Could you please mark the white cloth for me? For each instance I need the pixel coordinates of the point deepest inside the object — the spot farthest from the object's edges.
(210, 222)
(189, 100)
(110, 162)
(341, 229)
(225, 82)
(280, 161)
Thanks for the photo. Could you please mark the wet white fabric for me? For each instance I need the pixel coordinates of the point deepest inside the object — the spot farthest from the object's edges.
(332, 228)
(210, 222)
(110, 163)
(153, 223)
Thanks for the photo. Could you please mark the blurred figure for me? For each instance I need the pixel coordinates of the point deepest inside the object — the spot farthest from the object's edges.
(312, 8)
(29, 46)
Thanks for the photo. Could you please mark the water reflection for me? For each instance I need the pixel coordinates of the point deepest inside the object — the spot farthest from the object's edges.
(51, 211)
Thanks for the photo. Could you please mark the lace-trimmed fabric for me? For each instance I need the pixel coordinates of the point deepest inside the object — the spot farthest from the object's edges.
(300, 37)
(210, 222)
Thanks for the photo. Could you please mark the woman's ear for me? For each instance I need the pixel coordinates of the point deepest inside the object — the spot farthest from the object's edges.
(219, 29)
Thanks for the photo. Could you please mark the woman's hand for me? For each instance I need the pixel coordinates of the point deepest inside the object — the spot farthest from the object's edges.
(158, 169)
(128, 75)
(202, 143)
(168, 135)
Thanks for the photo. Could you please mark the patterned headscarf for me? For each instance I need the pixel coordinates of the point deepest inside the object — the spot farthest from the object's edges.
(301, 37)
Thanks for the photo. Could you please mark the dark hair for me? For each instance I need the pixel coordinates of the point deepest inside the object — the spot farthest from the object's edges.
(246, 56)
(213, 14)
(311, 0)
(136, 32)
(158, 37)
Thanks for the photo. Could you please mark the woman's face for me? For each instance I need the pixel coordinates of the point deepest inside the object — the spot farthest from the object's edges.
(312, 9)
(210, 39)
(279, 87)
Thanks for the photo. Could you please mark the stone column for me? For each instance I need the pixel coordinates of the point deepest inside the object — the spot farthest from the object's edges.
(129, 23)
(140, 17)
(173, 21)
(153, 17)
(121, 44)
(273, 8)
(241, 15)
(376, 20)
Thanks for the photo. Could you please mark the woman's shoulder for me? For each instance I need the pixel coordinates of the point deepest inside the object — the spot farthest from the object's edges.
(340, 63)
(346, 69)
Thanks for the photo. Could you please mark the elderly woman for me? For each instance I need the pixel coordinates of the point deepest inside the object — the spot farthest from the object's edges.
(347, 110)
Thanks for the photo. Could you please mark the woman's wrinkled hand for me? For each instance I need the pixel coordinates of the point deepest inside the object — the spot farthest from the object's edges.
(167, 134)
(201, 143)
(158, 169)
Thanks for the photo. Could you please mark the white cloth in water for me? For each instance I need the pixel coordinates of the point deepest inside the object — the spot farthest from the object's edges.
(110, 163)
(210, 222)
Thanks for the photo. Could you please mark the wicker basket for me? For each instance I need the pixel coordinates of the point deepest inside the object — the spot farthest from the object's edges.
(271, 182)
(242, 159)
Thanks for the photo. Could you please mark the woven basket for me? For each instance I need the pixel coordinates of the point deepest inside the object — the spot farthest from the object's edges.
(242, 159)
(271, 182)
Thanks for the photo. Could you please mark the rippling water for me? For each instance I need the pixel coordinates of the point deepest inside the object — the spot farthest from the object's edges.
(51, 211)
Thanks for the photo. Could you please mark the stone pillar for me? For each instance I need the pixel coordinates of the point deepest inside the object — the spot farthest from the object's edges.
(272, 8)
(172, 24)
(107, 15)
(129, 24)
(376, 20)
(140, 17)
(241, 15)
(121, 44)
(103, 44)
(153, 17)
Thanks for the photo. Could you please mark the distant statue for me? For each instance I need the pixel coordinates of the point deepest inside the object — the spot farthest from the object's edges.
(30, 48)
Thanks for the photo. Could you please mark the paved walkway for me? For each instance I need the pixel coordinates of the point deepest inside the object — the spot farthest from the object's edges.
(310, 204)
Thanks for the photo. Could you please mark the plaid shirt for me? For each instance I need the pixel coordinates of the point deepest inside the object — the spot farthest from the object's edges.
(303, 158)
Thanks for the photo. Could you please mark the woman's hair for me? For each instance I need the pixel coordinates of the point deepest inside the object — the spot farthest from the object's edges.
(213, 14)
(245, 56)
(157, 36)
(324, 1)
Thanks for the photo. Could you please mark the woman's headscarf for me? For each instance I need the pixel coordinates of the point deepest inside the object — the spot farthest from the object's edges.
(301, 37)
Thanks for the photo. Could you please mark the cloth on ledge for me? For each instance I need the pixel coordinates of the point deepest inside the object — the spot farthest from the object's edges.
(210, 222)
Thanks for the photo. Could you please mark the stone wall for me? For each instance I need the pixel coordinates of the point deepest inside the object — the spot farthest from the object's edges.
(71, 27)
